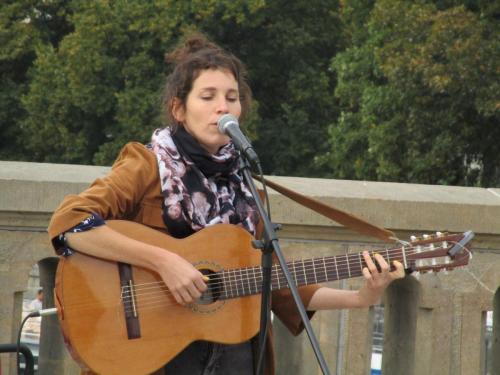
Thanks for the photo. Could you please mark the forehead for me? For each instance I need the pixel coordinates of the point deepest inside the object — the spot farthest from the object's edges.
(215, 79)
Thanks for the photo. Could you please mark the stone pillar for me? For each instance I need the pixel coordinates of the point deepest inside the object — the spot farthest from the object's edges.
(495, 350)
(433, 340)
(471, 349)
(401, 307)
(359, 338)
(16, 261)
(53, 356)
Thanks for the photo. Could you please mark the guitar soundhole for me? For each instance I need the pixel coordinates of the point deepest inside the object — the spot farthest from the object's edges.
(215, 288)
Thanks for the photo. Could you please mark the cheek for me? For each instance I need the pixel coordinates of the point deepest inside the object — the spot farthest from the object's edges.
(237, 110)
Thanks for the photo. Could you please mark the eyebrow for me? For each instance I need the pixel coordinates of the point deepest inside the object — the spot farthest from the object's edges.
(231, 90)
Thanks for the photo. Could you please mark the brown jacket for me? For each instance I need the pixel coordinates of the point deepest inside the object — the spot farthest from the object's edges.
(131, 191)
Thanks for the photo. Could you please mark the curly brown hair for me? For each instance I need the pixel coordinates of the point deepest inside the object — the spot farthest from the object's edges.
(190, 58)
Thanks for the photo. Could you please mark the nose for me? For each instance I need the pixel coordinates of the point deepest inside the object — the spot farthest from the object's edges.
(222, 106)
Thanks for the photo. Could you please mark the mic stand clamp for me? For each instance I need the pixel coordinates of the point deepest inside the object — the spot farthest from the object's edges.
(269, 244)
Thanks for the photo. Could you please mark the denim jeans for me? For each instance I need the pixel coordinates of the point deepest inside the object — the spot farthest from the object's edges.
(206, 358)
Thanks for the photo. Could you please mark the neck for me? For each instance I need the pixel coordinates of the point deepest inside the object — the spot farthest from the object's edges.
(248, 281)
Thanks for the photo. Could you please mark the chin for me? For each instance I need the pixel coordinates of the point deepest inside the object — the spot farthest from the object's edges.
(221, 141)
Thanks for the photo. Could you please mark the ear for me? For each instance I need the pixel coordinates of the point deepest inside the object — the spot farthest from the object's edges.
(178, 110)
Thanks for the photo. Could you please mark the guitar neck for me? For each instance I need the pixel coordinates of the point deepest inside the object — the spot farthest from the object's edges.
(242, 282)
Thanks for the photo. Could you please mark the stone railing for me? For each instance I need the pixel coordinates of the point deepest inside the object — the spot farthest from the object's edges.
(434, 324)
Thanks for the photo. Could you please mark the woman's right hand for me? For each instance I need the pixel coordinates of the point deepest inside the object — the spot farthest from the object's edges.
(183, 280)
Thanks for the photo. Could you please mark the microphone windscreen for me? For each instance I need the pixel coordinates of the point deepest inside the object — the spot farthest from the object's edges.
(224, 121)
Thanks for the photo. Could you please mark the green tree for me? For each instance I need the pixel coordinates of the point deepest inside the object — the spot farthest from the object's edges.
(24, 25)
(100, 87)
(287, 47)
(419, 96)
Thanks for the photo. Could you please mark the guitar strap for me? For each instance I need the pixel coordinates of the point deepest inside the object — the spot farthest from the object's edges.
(346, 219)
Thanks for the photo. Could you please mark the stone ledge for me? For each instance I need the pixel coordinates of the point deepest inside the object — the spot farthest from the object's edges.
(39, 187)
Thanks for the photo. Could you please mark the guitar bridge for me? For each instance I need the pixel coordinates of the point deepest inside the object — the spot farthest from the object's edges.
(129, 301)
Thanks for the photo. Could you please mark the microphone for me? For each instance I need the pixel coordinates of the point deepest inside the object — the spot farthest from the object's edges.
(228, 125)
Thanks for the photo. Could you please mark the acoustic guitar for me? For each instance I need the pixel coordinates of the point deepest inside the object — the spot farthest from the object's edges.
(122, 319)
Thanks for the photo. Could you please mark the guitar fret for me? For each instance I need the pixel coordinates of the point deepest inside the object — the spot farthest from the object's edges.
(242, 282)
(255, 280)
(404, 256)
(239, 282)
(281, 274)
(235, 282)
(234, 286)
(261, 278)
(248, 282)
(348, 266)
(360, 263)
(227, 282)
(223, 286)
(314, 271)
(304, 271)
(324, 266)
(388, 257)
(336, 268)
(294, 273)
(277, 276)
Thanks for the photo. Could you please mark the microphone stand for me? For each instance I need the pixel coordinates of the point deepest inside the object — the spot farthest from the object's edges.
(268, 245)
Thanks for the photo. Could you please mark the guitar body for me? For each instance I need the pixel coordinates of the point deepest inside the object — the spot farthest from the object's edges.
(93, 318)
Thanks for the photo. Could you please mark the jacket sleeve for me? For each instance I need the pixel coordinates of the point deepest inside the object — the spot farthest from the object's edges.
(283, 306)
(115, 196)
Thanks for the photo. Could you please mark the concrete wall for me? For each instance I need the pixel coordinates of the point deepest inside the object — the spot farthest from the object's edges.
(433, 325)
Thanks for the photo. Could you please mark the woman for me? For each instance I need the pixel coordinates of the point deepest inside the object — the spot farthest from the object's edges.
(185, 180)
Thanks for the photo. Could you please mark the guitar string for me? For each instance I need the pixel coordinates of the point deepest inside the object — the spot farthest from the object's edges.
(228, 278)
(162, 302)
(157, 303)
(309, 260)
(247, 275)
(242, 279)
(235, 276)
(158, 299)
(310, 264)
(277, 275)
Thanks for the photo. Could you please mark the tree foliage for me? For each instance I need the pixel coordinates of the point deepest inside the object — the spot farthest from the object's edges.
(419, 97)
(101, 85)
(23, 27)
(360, 89)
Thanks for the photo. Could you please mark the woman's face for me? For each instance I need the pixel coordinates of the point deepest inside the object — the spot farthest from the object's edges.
(214, 93)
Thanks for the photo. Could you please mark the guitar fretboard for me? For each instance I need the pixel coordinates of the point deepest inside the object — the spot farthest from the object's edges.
(247, 281)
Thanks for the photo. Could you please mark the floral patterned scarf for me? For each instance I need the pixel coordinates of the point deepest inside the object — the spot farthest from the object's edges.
(200, 189)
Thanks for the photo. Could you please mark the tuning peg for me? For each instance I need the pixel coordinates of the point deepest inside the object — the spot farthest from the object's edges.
(426, 236)
(439, 234)
(413, 238)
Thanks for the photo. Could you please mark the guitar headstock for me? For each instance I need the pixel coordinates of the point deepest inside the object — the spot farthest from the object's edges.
(441, 251)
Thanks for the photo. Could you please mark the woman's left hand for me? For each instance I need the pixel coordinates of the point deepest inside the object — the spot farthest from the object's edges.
(377, 281)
